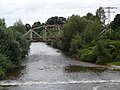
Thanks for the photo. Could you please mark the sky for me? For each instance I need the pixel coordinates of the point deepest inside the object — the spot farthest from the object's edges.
(30, 11)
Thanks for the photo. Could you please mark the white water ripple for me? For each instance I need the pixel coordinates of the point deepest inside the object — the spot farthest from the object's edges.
(15, 83)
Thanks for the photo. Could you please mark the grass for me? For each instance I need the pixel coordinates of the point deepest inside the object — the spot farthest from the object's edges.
(115, 63)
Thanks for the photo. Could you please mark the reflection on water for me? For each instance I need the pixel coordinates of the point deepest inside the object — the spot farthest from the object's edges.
(72, 69)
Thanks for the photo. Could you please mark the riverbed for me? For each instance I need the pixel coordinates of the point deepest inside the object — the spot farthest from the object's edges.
(46, 68)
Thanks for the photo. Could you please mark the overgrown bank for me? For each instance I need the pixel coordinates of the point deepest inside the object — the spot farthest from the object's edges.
(88, 40)
(13, 47)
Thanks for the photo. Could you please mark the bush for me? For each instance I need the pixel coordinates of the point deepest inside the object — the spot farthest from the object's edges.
(103, 54)
(13, 47)
(5, 64)
(49, 42)
(87, 54)
(59, 44)
(54, 43)
(76, 44)
(114, 34)
(24, 44)
(113, 47)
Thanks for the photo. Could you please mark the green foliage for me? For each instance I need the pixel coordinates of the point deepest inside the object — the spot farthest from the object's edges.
(116, 23)
(12, 50)
(54, 43)
(75, 24)
(13, 47)
(87, 54)
(2, 71)
(114, 34)
(91, 17)
(5, 62)
(38, 27)
(113, 47)
(24, 44)
(28, 27)
(49, 41)
(103, 54)
(19, 26)
(60, 44)
(56, 20)
(2, 22)
(92, 31)
(76, 44)
(115, 63)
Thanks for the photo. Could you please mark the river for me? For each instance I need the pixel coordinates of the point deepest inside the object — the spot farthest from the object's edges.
(46, 68)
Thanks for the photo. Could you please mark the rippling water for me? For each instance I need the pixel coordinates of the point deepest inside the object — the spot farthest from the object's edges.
(48, 69)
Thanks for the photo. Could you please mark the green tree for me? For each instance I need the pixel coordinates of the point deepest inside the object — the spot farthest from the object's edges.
(2, 22)
(38, 26)
(92, 31)
(89, 16)
(116, 22)
(19, 26)
(13, 47)
(28, 27)
(56, 20)
(76, 44)
(100, 13)
(74, 24)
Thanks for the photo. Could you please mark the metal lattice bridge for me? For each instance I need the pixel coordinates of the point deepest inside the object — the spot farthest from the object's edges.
(46, 32)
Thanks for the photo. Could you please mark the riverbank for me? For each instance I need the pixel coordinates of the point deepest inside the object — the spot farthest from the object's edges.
(46, 68)
(110, 66)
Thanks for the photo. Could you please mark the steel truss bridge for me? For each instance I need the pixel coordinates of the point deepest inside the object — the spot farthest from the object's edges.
(47, 32)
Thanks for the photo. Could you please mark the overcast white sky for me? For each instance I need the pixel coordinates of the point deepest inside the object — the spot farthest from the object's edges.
(30, 11)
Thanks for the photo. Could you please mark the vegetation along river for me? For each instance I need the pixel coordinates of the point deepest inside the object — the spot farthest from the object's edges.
(46, 68)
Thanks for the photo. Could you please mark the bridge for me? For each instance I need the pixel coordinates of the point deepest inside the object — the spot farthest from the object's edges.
(47, 32)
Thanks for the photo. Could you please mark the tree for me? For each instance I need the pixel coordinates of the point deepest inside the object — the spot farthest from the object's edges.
(19, 26)
(89, 16)
(56, 20)
(116, 23)
(74, 24)
(92, 31)
(38, 26)
(28, 27)
(2, 22)
(100, 13)
(13, 47)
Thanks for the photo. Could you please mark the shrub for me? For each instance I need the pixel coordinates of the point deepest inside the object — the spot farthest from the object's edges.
(5, 64)
(103, 54)
(13, 47)
(76, 44)
(113, 47)
(49, 41)
(87, 54)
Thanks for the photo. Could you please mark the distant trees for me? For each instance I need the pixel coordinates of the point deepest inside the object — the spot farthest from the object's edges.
(19, 26)
(115, 26)
(100, 13)
(2, 22)
(56, 20)
(28, 27)
(116, 23)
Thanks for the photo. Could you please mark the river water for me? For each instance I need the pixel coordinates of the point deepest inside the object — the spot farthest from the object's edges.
(46, 68)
